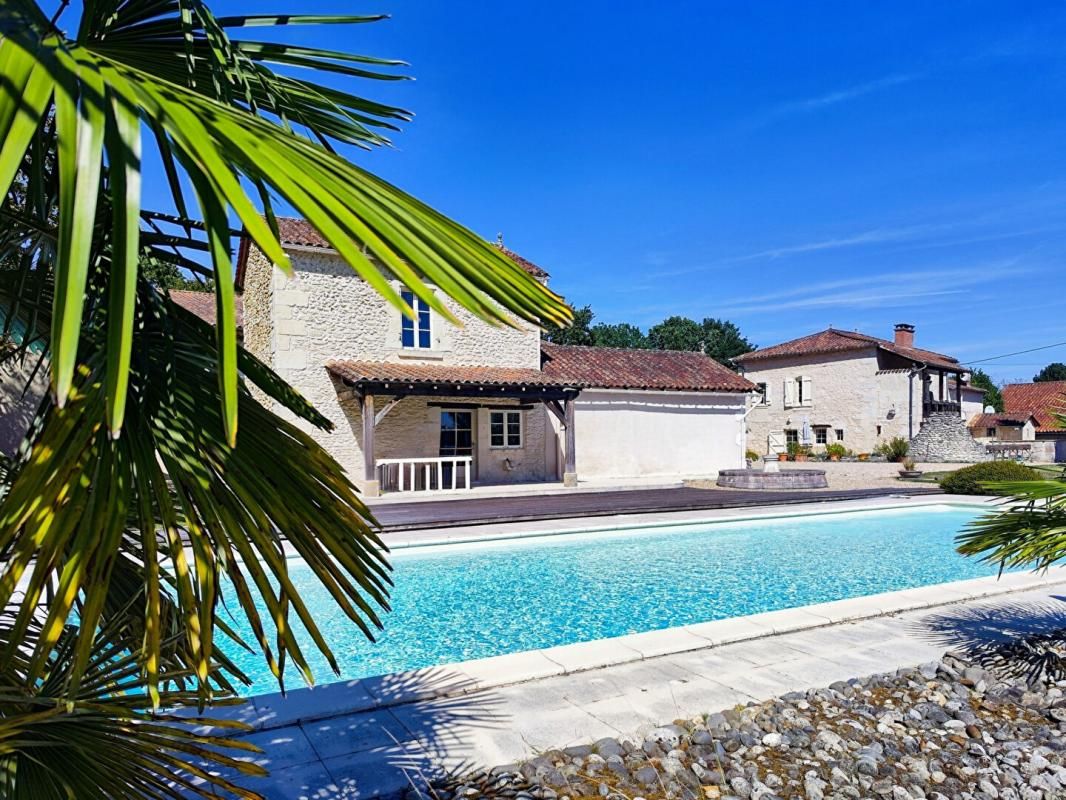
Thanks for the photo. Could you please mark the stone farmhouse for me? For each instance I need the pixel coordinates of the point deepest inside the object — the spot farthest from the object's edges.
(421, 404)
(860, 390)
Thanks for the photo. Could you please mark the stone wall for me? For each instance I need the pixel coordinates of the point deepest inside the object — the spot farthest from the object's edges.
(945, 438)
(325, 312)
(848, 393)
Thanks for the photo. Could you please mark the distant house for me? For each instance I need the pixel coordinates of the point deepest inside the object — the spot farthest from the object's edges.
(1041, 401)
(858, 390)
(1003, 427)
(421, 404)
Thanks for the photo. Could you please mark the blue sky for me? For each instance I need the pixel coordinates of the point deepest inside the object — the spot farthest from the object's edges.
(785, 165)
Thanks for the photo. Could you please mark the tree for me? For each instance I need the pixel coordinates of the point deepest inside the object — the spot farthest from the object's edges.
(167, 276)
(1055, 371)
(577, 332)
(620, 334)
(723, 342)
(677, 333)
(135, 455)
(993, 396)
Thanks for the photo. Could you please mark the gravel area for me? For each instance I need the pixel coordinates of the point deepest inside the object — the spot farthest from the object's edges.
(851, 474)
(949, 730)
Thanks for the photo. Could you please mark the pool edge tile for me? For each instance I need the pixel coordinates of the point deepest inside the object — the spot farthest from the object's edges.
(509, 668)
(591, 655)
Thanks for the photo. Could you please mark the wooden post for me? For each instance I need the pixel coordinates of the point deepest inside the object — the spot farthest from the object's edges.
(371, 486)
(570, 470)
(942, 397)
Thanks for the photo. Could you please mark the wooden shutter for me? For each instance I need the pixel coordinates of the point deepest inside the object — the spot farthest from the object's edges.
(806, 390)
(790, 392)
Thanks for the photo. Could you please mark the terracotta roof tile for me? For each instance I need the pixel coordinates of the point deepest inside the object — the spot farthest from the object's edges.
(996, 420)
(834, 341)
(202, 304)
(424, 374)
(617, 368)
(1038, 399)
(300, 232)
(565, 366)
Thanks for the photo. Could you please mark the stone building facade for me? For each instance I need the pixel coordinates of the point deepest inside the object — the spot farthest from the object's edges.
(426, 391)
(851, 388)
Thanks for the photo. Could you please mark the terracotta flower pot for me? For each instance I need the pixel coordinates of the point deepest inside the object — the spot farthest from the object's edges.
(782, 456)
(834, 458)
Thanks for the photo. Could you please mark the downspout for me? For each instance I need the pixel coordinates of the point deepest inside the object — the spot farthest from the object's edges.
(914, 370)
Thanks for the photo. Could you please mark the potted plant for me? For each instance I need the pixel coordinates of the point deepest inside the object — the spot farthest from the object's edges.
(752, 457)
(909, 472)
(835, 451)
(864, 456)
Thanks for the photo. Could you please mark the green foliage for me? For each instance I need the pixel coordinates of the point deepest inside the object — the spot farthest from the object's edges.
(217, 112)
(993, 396)
(621, 334)
(895, 449)
(836, 449)
(578, 331)
(677, 333)
(167, 275)
(752, 455)
(723, 342)
(104, 740)
(1055, 371)
(975, 479)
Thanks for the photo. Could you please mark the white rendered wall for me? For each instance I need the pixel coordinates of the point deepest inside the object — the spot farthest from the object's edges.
(631, 434)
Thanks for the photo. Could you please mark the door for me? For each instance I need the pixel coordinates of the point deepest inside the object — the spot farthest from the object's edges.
(456, 439)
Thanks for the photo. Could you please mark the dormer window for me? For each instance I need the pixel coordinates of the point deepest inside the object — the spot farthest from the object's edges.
(416, 334)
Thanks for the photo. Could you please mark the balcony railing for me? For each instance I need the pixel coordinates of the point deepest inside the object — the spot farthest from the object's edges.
(446, 473)
(940, 407)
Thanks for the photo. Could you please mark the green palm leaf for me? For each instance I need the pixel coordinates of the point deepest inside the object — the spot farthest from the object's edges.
(204, 513)
(221, 114)
(102, 740)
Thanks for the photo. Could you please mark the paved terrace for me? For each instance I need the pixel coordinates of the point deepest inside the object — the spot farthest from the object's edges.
(429, 514)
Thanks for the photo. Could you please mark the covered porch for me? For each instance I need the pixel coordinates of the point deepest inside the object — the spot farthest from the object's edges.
(429, 428)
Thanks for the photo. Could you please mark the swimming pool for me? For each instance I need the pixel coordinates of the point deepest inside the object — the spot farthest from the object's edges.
(458, 602)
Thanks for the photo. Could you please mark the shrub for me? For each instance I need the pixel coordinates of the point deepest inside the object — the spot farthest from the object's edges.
(969, 480)
(836, 449)
(751, 455)
(895, 449)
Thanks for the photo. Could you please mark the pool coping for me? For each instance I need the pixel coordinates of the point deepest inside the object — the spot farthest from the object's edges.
(625, 522)
(277, 709)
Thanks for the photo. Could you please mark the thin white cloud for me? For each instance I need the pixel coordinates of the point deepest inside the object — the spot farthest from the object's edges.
(843, 95)
(808, 105)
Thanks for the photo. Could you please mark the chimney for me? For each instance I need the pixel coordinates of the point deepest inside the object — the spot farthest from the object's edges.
(904, 334)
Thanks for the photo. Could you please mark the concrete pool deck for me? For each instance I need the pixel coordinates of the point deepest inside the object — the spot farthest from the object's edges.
(373, 737)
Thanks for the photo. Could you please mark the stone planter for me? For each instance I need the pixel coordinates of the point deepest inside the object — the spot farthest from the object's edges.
(910, 474)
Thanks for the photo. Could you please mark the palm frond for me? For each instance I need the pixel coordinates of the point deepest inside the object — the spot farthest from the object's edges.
(1030, 528)
(220, 114)
(103, 741)
(172, 495)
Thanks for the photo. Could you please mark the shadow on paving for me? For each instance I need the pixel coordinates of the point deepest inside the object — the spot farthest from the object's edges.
(1011, 638)
(400, 745)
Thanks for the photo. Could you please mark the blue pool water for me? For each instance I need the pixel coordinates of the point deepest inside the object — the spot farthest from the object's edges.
(458, 602)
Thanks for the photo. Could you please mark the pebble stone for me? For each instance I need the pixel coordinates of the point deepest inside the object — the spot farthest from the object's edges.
(950, 730)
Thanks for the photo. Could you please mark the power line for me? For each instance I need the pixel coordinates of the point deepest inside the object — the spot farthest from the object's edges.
(1020, 352)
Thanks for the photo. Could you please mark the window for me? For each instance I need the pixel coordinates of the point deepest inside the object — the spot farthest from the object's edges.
(840, 434)
(456, 433)
(798, 391)
(505, 429)
(821, 435)
(878, 430)
(415, 333)
(764, 394)
(990, 433)
(792, 436)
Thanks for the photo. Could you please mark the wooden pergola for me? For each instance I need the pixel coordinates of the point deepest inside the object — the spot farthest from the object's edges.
(370, 382)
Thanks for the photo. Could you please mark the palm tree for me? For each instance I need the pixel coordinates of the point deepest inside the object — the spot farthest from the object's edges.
(133, 497)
